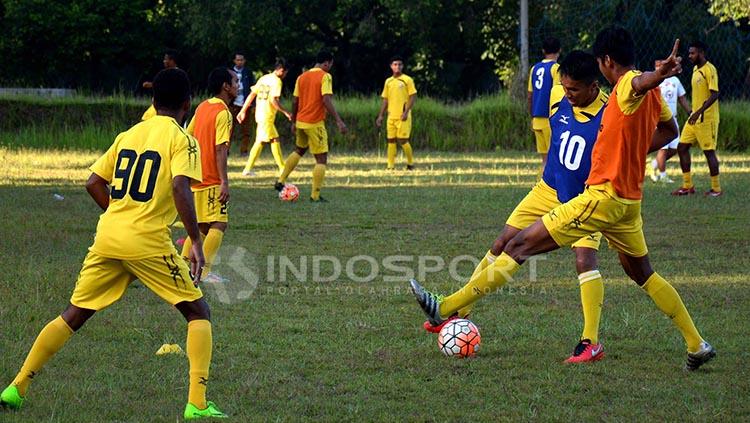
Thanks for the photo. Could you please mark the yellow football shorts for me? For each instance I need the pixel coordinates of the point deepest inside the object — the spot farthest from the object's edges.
(103, 280)
(597, 210)
(704, 134)
(542, 133)
(265, 131)
(538, 202)
(316, 139)
(207, 206)
(397, 128)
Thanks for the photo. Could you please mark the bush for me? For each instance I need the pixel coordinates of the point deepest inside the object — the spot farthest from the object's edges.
(486, 123)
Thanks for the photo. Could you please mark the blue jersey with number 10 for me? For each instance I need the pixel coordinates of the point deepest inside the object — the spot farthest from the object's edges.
(541, 85)
(569, 156)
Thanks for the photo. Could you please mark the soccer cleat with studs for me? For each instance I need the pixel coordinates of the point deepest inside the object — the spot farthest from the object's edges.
(703, 356)
(10, 398)
(211, 411)
(684, 191)
(586, 352)
(278, 186)
(429, 302)
(712, 193)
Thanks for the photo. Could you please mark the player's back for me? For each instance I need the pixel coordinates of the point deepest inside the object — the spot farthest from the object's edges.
(211, 124)
(140, 166)
(267, 88)
(310, 87)
(541, 80)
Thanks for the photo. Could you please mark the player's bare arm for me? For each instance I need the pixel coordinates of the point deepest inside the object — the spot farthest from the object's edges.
(409, 105)
(222, 152)
(328, 103)
(670, 66)
(277, 105)
(295, 109)
(98, 189)
(381, 113)
(685, 105)
(185, 204)
(243, 112)
(665, 132)
(698, 114)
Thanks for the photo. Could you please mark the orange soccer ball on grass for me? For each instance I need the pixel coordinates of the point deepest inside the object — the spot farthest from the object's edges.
(290, 192)
(459, 338)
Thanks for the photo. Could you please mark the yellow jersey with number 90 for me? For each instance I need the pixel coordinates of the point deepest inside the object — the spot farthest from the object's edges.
(140, 166)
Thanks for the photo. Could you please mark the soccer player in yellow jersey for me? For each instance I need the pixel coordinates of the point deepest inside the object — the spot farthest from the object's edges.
(399, 94)
(212, 126)
(266, 93)
(170, 62)
(635, 122)
(142, 182)
(542, 77)
(703, 125)
(313, 99)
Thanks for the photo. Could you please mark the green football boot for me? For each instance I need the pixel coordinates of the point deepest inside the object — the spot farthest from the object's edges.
(10, 398)
(211, 411)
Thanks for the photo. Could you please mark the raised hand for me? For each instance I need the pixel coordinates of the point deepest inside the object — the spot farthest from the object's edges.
(672, 65)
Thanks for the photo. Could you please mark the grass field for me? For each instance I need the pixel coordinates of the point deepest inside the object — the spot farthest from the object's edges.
(288, 348)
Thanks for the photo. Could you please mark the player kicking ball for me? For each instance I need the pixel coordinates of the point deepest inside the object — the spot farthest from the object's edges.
(636, 121)
(132, 240)
(575, 112)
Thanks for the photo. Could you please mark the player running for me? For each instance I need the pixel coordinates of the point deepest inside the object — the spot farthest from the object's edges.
(141, 183)
(636, 121)
(399, 94)
(266, 93)
(575, 111)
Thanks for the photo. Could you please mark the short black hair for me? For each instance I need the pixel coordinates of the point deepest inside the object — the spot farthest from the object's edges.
(217, 78)
(551, 45)
(171, 53)
(238, 53)
(580, 66)
(324, 56)
(617, 43)
(280, 64)
(171, 89)
(396, 58)
(699, 45)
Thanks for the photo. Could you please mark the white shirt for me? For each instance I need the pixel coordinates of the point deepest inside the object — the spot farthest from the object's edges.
(671, 89)
(240, 99)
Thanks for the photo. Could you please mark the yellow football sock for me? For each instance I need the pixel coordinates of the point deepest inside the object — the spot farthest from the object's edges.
(687, 180)
(187, 246)
(488, 259)
(277, 156)
(199, 343)
(592, 297)
(253, 156)
(291, 163)
(715, 185)
(488, 280)
(392, 155)
(670, 303)
(408, 153)
(319, 173)
(210, 247)
(48, 342)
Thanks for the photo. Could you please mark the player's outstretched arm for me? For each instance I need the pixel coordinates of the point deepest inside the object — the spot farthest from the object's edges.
(670, 66)
(185, 205)
(665, 132)
(328, 103)
(243, 112)
(98, 190)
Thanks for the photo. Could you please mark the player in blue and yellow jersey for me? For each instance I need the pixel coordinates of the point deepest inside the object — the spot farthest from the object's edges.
(399, 94)
(212, 126)
(636, 121)
(142, 182)
(575, 109)
(703, 125)
(542, 77)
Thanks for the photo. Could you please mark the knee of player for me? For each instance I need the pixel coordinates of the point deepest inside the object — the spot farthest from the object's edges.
(75, 317)
(585, 260)
(516, 248)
